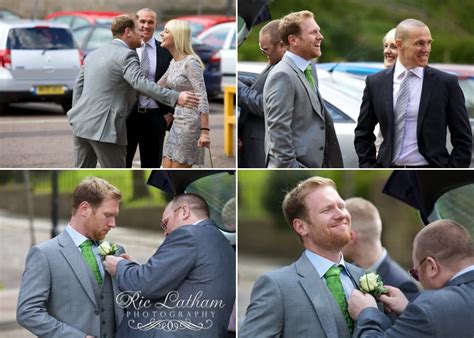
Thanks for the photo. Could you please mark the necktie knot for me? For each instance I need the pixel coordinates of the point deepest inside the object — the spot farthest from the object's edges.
(86, 244)
(334, 271)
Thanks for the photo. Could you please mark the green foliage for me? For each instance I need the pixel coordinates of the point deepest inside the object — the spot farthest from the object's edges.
(353, 29)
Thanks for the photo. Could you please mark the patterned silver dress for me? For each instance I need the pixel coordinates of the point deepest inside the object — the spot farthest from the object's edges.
(181, 144)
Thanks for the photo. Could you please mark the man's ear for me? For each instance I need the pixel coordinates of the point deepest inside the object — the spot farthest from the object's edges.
(300, 226)
(84, 209)
(398, 42)
(432, 267)
(292, 40)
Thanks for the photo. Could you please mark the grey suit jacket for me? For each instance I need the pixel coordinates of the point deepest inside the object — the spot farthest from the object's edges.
(194, 262)
(299, 129)
(445, 312)
(58, 297)
(295, 302)
(105, 91)
(393, 274)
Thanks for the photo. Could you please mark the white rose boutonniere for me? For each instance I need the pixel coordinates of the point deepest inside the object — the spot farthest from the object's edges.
(106, 248)
(372, 284)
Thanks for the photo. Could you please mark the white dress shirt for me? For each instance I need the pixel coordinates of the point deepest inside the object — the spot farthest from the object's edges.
(151, 50)
(409, 154)
(78, 239)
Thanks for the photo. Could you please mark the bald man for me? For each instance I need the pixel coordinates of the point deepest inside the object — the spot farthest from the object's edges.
(415, 106)
(443, 261)
(366, 251)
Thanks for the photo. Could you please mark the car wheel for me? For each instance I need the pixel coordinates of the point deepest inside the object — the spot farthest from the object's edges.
(66, 104)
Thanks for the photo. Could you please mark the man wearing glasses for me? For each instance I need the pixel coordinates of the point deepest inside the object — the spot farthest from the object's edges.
(251, 122)
(443, 258)
(188, 286)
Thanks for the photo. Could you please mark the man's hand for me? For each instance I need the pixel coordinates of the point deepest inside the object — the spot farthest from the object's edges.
(358, 302)
(188, 100)
(127, 257)
(110, 264)
(87, 336)
(395, 301)
(168, 118)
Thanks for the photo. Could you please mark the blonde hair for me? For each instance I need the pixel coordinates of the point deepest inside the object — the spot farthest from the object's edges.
(390, 35)
(182, 36)
(291, 24)
(366, 219)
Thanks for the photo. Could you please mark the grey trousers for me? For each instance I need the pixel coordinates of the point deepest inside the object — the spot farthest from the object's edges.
(88, 152)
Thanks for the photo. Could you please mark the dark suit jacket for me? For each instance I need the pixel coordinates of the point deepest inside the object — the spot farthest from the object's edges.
(194, 262)
(442, 106)
(392, 274)
(251, 121)
(445, 312)
(163, 59)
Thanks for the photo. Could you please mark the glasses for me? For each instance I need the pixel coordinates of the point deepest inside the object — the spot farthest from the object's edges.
(266, 50)
(164, 221)
(414, 272)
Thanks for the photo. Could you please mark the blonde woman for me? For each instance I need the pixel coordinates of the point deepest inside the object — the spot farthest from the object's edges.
(190, 131)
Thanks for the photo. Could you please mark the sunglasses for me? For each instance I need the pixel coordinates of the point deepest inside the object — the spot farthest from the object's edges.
(164, 221)
(414, 272)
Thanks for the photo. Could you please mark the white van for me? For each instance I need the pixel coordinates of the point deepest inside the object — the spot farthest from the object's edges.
(39, 61)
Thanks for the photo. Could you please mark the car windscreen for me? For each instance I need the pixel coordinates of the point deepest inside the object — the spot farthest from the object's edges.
(456, 204)
(39, 38)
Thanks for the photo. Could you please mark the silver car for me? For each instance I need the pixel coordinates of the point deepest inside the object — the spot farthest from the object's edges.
(39, 61)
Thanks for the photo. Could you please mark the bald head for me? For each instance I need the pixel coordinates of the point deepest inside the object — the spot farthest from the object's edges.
(403, 29)
(446, 240)
(366, 221)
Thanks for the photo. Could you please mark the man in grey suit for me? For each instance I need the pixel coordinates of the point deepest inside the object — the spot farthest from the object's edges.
(251, 121)
(443, 259)
(308, 298)
(299, 129)
(63, 293)
(104, 93)
(366, 251)
(187, 288)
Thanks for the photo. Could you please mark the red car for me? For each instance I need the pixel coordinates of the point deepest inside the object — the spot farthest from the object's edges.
(77, 19)
(199, 23)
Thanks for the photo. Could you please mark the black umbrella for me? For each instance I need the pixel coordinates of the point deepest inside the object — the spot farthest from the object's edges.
(421, 188)
(251, 13)
(174, 182)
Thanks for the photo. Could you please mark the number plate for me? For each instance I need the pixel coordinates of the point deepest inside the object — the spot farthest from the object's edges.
(49, 90)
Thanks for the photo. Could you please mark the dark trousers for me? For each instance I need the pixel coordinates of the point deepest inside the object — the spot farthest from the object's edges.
(147, 131)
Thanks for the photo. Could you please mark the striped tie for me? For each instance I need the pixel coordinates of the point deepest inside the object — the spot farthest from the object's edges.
(144, 101)
(400, 114)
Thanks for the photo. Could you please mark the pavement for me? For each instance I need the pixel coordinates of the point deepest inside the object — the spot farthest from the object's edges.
(15, 241)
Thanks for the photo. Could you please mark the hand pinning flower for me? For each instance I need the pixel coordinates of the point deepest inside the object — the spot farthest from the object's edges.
(372, 283)
(106, 248)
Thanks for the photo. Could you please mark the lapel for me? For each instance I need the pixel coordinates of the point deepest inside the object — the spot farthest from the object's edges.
(313, 97)
(426, 90)
(318, 295)
(163, 58)
(77, 264)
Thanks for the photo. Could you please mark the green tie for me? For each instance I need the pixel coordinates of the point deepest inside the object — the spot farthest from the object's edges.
(309, 75)
(89, 257)
(334, 284)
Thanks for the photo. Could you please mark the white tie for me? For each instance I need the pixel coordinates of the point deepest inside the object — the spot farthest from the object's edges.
(400, 114)
(144, 101)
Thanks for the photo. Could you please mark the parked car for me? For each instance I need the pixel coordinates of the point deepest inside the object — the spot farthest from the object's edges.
(200, 23)
(465, 74)
(342, 95)
(39, 61)
(6, 14)
(77, 19)
(223, 38)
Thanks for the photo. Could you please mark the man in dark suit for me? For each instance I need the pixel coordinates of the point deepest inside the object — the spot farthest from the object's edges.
(146, 126)
(443, 260)
(414, 105)
(366, 251)
(308, 298)
(187, 288)
(251, 121)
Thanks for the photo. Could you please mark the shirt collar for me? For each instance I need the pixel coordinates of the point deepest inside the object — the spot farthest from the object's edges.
(151, 44)
(321, 264)
(300, 62)
(76, 236)
(463, 271)
(400, 69)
